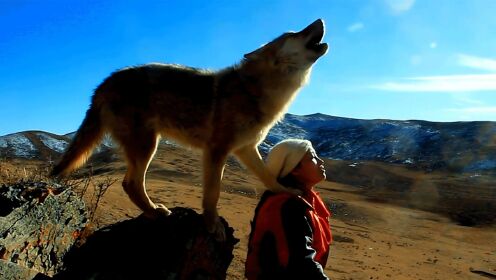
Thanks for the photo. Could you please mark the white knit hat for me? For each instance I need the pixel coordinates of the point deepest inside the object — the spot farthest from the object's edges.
(286, 155)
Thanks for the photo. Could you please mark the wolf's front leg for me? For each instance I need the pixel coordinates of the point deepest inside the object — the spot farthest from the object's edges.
(251, 158)
(213, 168)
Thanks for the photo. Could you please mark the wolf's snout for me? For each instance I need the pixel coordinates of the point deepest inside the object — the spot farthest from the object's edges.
(318, 23)
(314, 33)
(316, 26)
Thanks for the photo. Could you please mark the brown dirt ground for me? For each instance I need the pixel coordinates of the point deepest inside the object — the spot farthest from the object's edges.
(371, 240)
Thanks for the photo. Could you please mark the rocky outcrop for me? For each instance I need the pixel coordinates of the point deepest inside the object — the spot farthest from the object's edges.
(12, 271)
(39, 223)
(173, 247)
(41, 226)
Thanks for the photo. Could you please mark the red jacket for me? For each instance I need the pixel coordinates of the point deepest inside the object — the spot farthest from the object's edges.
(290, 238)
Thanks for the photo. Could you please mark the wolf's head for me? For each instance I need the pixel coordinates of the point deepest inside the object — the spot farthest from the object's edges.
(292, 51)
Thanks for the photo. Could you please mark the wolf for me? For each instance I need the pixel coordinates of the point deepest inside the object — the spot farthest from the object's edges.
(223, 112)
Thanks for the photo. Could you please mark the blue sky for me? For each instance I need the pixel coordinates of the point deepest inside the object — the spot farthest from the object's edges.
(405, 59)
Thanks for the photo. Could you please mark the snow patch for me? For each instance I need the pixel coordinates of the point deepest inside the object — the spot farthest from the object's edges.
(52, 143)
(19, 144)
(3, 143)
(105, 144)
(107, 141)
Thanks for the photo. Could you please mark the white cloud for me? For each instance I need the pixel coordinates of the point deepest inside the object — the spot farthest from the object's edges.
(355, 27)
(453, 83)
(477, 62)
(399, 6)
(466, 99)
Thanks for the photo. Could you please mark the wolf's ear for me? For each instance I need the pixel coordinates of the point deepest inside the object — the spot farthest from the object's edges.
(255, 54)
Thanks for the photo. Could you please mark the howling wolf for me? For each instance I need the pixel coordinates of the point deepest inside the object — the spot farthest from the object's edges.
(222, 112)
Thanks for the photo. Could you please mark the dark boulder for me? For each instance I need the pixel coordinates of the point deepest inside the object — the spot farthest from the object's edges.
(173, 247)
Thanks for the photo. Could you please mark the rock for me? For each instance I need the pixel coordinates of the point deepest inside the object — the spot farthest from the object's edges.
(38, 226)
(173, 247)
(41, 223)
(12, 271)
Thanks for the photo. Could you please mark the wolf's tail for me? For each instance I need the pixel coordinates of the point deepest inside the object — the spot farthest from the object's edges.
(87, 137)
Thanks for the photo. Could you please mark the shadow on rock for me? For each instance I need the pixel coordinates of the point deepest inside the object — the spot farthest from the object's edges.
(174, 247)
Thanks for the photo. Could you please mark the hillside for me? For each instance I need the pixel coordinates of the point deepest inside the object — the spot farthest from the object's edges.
(458, 146)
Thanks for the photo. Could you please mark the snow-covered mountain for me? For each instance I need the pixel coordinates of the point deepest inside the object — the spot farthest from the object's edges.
(40, 145)
(459, 146)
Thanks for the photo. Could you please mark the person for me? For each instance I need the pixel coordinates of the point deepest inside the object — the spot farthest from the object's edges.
(290, 235)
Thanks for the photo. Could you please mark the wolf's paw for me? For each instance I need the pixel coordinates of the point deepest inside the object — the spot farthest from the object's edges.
(162, 210)
(158, 210)
(215, 226)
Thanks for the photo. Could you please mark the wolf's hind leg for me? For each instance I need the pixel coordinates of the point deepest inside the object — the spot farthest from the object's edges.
(139, 155)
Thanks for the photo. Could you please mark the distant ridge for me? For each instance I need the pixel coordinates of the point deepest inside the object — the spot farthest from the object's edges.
(457, 146)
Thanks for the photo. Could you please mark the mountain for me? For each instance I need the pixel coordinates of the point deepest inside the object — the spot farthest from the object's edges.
(40, 145)
(455, 146)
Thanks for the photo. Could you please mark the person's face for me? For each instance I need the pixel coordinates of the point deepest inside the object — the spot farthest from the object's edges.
(310, 171)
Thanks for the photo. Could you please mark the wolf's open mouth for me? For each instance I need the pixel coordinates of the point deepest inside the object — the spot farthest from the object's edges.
(313, 34)
(315, 43)
(317, 34)
(315, 39)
